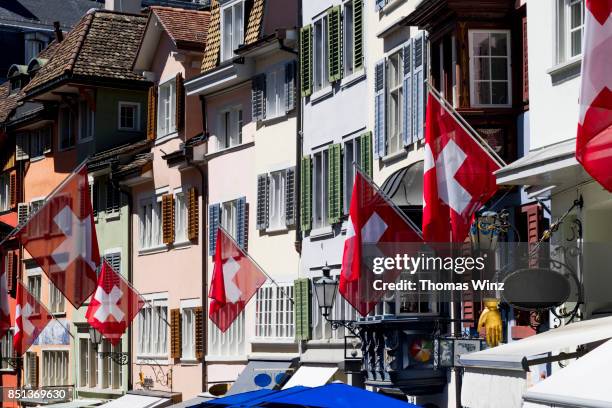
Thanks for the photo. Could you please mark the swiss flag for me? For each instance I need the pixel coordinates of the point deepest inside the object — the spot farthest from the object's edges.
(61, 238)
(235, 280)
(458, 176)
(114, 305)
(31, 318)
(5, 314)
(373, 225)
(594, 139)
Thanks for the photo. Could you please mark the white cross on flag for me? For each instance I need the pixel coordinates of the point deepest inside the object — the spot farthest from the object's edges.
(31, 317)
(458, 176)
(594, 140)
(114, 305)
(235, 280)
(375, 228)
(61, 238)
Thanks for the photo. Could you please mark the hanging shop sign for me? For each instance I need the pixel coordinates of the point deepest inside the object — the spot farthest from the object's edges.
(536, 289)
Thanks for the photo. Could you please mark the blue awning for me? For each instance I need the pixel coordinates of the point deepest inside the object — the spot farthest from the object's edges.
(238, 399)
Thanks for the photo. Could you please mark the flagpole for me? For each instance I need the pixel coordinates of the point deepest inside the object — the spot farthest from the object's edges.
(465, 125)
(256, 264)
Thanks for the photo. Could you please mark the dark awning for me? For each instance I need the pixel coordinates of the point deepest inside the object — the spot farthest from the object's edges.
(262, 374)
(405, 186)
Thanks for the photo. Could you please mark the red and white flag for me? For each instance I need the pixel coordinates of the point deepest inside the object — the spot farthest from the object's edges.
(594, 139)
(61, 238)
(5, 313)
(114, 305)
(374, 228)
(235, 280)
(31, 317)
(458, 176)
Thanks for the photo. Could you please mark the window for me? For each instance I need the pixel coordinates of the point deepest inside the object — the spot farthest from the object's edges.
(232, 28)
(30, 370)
(231, 343)
(570, 29)
(230, 128)
(86, 122)
(188, 334)
(320, 188)
(276, 105)
(56, 299)
(95, 370)
(36, 229)
(490, 68)
(129, 113)
(166, 117)
(153, 330)
(320, 55)
(55, 368)
(150, 223)
(40, 140)
(6, 350)
(352, 156)
(88, 364)
(274, 312)
(114, 260)
(352, 36)
(34, 283)
(277, 199)
(229, 217)
(110, 375)
(395, 96)
(180, 220)
(113, 199)
(5, 192)
(66, 131)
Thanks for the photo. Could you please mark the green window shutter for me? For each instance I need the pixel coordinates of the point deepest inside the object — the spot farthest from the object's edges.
(301, 295)
(306, 60)
(334, 186)
(306, 194)
(290, 197)
(358, 34)
(366, 153)
(334, 43)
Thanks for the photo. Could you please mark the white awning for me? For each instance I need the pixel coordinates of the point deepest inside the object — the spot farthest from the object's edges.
(137, 401)
(584, 383)
(78, 403)
(492, 388)
(311, 376)
(509, 356)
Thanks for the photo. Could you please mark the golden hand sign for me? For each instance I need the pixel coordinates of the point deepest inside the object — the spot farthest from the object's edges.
(490, 319)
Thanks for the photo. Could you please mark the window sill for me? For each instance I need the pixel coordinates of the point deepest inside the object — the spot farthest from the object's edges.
(224, 359)
(153, 250)
(565, 71)
(272, 120)
(182, 244)
(159, 139)
(189, 362)
(352, 79)
(394, 156)
(273, 340)
(37, 158)
(7, 370)
(321, 94)
(159, 360)
(59, 314)
(276, 230)
(321, 232)
(226, 150)
(112, 217)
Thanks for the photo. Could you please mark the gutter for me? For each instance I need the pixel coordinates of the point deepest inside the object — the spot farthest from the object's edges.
(299, 131)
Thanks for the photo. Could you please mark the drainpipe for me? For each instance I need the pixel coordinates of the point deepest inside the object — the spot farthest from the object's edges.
(130, 237)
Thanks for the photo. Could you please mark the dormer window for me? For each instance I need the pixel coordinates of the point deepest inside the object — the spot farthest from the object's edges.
(232, 28)
(18, 77)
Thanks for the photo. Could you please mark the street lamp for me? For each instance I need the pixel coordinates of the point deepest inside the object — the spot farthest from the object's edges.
(96, 339)
(325, 289)
(485, 231)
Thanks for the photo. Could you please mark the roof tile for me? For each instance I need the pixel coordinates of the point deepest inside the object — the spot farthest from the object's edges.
(187, 28)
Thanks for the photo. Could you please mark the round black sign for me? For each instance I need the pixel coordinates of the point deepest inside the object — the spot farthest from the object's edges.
(536, 289)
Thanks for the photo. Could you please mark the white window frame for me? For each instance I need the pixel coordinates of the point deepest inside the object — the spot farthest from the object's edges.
(5, 191)
(181, 213)
(166, 109)
(563, 35)
(397, 125)
(274, 314)
(55, 369)
(351, 156)
(153, 335)
(320, 210)
(225, 117)
(57, 304)
(277, 200)
(227, 346)
(188, 333)
(6, 350)
(229, 217)
(320, 57)
(136, 107)
(85, 113)
(348, 60)
(275, 95)
(150, 230)
(491, 81)
(34, 283)
(26, 370)
(235, 43)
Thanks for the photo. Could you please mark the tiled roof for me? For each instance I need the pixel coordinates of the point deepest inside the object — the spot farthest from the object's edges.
(251, 35)
(187, 28)
(102, 45)
(8, 101)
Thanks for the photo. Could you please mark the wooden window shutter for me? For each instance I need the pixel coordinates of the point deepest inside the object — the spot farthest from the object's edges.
(306, 60)
(33, 368)
(193, 214)
(334, 186)
(13, 188)
(305, 194)
(10, 270)
(168, 218)
(525, 63)
(535, 228)
(258, 97)
(214, 214)
(152, 113)
(407, 128)
(469, 302)
(334, 42)
(290, 197)
(242, 233)
(358, 34)
(303, 316)
(366, 153)
(263, 202)
(199, 332)
(380, 129)
(175, 333)
(180, 102)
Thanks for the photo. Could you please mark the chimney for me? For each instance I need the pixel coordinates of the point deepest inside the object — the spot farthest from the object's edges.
(59, 35)
(125, 6)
